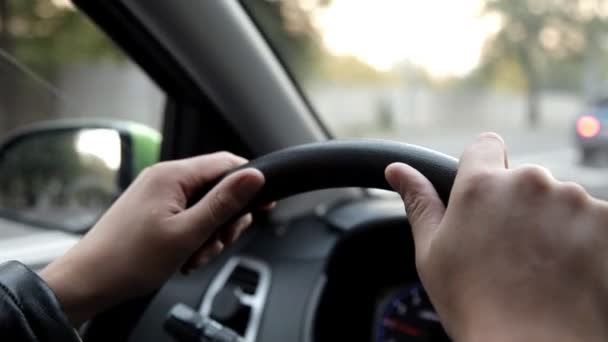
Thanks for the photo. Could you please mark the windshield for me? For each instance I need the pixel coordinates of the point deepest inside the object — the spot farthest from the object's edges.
(437, 72)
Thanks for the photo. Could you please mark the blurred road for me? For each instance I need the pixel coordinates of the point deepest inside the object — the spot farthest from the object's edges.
(551, 148)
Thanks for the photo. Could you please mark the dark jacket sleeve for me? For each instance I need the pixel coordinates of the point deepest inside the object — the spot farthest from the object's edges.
(29, 310)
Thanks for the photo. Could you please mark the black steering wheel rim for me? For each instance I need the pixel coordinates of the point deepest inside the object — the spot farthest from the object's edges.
(332, 164)
(347, 163)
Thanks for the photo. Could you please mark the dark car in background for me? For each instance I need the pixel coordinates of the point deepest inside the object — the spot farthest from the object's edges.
(592, 130)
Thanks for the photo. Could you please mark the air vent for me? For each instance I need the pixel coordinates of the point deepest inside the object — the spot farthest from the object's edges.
(245, 278)
(237, 295)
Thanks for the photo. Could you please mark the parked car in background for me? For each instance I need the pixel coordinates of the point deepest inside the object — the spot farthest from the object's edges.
(591, 129)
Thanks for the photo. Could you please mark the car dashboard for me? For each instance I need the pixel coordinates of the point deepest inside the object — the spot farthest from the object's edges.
(347, 273)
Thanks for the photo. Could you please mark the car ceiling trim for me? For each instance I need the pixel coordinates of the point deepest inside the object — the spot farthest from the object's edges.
(243, 91)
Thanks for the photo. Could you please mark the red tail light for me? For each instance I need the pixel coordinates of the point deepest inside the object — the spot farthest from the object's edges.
(588, 126)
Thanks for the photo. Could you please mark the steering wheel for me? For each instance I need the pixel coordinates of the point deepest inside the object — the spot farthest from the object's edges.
(340, 163)
(347, 163)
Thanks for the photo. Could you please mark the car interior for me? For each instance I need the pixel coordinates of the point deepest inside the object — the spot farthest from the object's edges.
(320, 96)
(324, 265)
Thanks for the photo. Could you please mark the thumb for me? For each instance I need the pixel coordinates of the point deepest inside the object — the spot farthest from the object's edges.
(423, 206)
(223, 203)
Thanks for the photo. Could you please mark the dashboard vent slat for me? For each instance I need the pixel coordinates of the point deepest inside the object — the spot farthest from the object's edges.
(239, 289)
(245, 278)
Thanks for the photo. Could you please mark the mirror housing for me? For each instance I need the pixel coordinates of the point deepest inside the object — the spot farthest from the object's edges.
(64, 174)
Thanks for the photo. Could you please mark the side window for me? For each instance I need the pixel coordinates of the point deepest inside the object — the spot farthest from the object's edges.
(55, 63)
(56, 69)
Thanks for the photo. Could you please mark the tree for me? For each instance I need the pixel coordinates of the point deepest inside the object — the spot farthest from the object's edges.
(535, 33)
(4, 37)
(289, 28)
(45, 36)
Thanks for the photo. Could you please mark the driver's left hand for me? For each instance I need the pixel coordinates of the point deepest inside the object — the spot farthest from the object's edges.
(149, 233)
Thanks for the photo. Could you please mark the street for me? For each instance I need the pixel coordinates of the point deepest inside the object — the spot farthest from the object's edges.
(552, 148)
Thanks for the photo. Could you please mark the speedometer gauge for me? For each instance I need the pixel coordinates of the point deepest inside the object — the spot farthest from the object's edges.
(406, 315)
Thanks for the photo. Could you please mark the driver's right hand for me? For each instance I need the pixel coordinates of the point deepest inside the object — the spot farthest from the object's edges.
(515, 256)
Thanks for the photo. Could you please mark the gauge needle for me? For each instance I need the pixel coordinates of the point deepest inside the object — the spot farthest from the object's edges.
(404, 328)
(428, 315)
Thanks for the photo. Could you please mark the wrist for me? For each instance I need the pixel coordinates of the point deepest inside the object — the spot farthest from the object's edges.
(78, 300)
(529, 328)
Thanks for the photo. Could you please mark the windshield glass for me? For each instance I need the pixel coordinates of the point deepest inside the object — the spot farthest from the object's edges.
(437, 72)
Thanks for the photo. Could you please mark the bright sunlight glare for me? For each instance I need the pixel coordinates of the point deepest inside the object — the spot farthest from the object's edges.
(63, 3)
(104, 144)
(444, 37)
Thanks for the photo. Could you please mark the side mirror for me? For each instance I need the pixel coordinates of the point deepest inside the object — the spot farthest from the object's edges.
(64, 175)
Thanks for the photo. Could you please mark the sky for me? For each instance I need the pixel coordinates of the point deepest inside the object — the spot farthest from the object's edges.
(444, 37)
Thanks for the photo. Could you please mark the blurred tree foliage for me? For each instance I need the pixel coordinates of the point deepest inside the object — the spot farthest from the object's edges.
(45, 35)
(31, 164)
(353, 70)
(544, 40)
(34, 163)
(44, 174)
(289, 29)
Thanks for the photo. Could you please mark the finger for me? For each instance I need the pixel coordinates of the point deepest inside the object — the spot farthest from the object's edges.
(224, 236)
(222, 203)
(235, 230)
(487, 151)
(533, 168)
(423, 206)
(202, 256)
(198, 171)
(533, 179)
